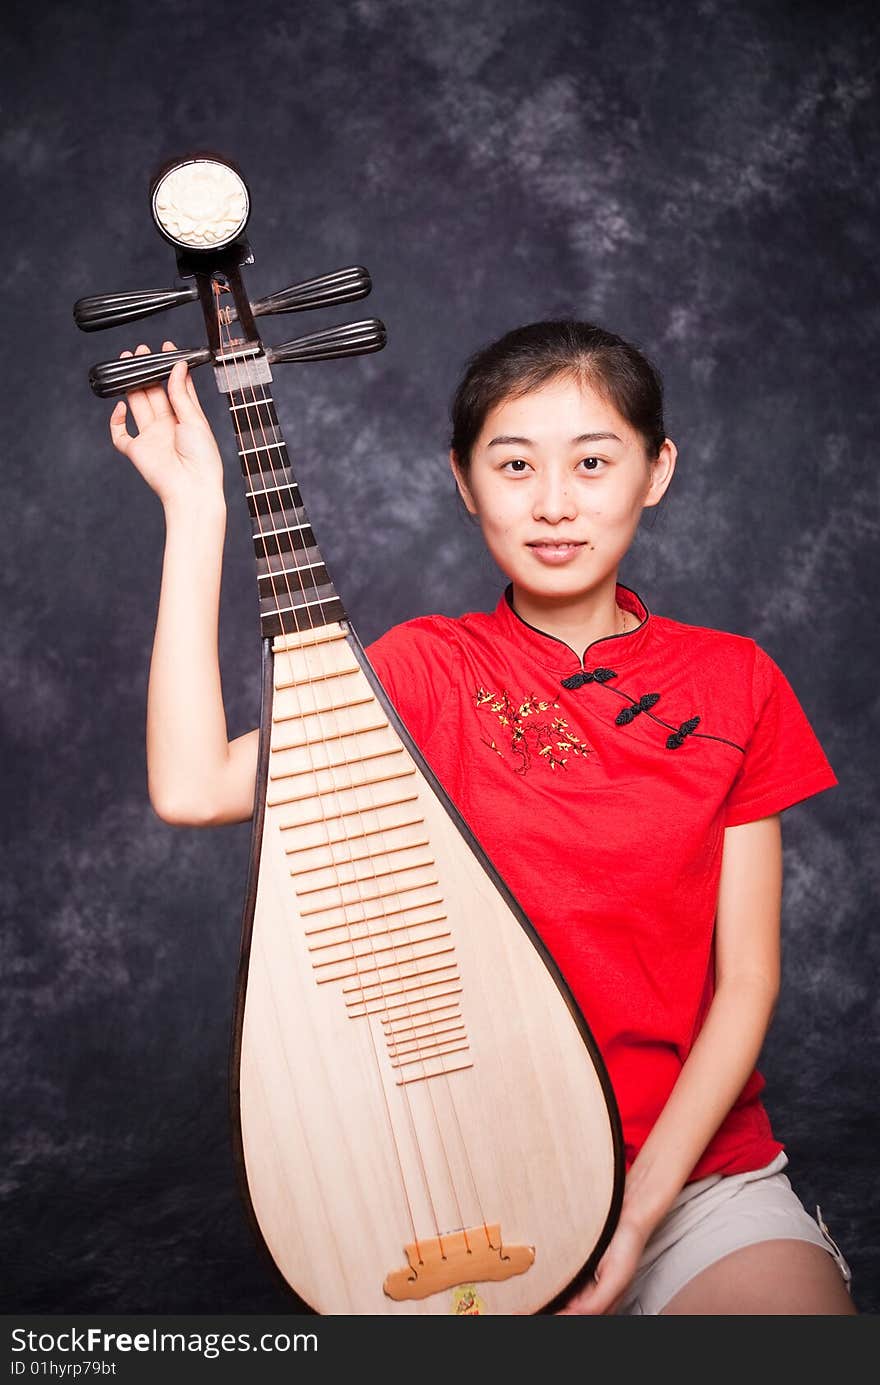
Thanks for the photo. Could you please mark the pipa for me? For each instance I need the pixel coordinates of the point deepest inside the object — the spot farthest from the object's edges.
(422, 1121)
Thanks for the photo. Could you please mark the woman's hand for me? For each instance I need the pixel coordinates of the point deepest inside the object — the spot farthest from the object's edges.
(174, 449)
(613, 1273)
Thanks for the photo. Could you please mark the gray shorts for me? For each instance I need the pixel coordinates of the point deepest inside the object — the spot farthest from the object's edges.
(714, 1216)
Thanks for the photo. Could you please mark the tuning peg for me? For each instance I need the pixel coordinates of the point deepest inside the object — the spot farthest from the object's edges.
(112, 309)
(349, 339)
(342, 286)
(134, 372)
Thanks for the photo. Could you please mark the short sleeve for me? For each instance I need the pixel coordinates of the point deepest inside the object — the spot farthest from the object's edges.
(416, 663)
(784, 762)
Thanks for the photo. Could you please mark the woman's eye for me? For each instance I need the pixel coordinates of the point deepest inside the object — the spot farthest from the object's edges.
(519, 464)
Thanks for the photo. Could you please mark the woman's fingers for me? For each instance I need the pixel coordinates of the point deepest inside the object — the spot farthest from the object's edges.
(169, 346)
(190, 386)
(184, 401)
(155, 394)
(191, 391)
(119, 434)
(151, 403)
(139, 402)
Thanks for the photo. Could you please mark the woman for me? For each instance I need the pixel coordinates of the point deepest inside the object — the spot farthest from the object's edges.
(624, 771)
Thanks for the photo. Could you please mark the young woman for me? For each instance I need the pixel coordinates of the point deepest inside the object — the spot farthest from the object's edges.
(624, 771)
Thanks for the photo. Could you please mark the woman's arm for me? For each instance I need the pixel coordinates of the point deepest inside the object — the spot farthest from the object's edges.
(195, 775)
(723, 1056)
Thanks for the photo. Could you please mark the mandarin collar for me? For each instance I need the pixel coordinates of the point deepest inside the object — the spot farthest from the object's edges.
(560, 657)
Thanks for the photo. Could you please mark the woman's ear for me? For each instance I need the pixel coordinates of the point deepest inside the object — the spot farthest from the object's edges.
(461, 483)
(662, 471)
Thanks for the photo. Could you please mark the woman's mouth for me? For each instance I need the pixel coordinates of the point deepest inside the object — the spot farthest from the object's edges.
(554, 552)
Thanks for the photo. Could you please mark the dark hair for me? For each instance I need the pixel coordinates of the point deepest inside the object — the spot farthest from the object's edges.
(528, 357)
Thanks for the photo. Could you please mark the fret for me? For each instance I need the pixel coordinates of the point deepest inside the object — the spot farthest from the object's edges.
(278, 480)
(272, 490)
(400, 1034)
(292, 525)
(315, 569)
(367, 919)
(291, 516)
(382, 1005)
(262, 447)
(358, 898)
(267, 399)
(270, 477)
(272, 499)
(408, 1044)
(283, 541)
(240, 402)
(282, 529)
(437, 1056)
(458, 1066)
(295, 605)
(283, 622)
(397, 985)
(396, 965)
(348, 940)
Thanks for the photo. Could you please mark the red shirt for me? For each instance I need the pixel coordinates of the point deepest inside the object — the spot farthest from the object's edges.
(600, 788)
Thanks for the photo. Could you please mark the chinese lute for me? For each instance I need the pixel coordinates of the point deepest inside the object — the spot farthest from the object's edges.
(422, 1121)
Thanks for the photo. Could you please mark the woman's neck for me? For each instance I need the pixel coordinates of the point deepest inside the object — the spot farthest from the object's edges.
(577, 620)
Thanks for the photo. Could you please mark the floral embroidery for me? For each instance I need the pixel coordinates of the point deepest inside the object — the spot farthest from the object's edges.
(547, 737)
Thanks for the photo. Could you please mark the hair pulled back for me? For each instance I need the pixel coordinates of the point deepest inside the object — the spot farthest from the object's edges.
(527, 357)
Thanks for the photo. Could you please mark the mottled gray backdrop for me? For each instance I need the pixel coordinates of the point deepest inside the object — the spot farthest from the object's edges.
(699, 177)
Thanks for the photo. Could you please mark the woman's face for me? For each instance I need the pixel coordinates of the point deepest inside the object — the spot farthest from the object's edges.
(558, 480)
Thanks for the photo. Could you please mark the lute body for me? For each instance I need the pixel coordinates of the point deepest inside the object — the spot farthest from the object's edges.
(408, 1068)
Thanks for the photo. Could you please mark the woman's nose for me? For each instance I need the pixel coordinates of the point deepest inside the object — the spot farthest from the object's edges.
(554, 499)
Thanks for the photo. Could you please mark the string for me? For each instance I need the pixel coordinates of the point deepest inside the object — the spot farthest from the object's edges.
(276, 488)
(347, 924)
(223, 319)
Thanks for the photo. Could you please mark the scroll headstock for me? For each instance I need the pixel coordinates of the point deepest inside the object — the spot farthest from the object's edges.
(201, 205)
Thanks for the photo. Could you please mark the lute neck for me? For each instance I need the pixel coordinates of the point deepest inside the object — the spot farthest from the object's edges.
(296, 591)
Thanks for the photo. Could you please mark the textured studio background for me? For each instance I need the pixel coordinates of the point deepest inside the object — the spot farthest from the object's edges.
(699, 177)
